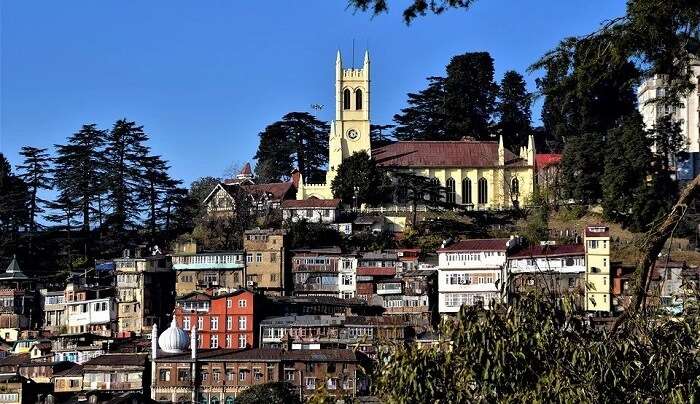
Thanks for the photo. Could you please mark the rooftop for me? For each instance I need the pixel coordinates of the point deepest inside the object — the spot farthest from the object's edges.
(549, 251)
(128, 359)
(490, 244)
(460, 153)
(311, 203)
(267, 355)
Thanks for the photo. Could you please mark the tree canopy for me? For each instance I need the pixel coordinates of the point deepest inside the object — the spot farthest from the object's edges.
(359, 180)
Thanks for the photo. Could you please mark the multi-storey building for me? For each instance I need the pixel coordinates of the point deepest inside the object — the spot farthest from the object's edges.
(598, 276)
(78, 348)
(90, 310)
(373, 267)
(347, 276)
(315, 271)
(222, 321)
(144, 293)
(266, 260)
(207, 271)
(112, 375)
(412, 296)
(53, 305)
(471, 272)
(312, 210)
(549, 268)
(19, 303)
(218, 376)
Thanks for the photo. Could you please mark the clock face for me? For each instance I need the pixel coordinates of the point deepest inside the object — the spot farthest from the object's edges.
(353, 134)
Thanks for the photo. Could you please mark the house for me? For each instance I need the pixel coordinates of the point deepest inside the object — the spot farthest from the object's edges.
(671, 284)
(53, 305)
(549, 268)
(480, 175)
(263, 197)
(266, 260)
(312, 210)
(347, 277)
(78, 348)
(315, 271)
(19, 303)
(144, 293)
(222, 321)
(111, 375)
(598, 276)
(183, 373)
(373, 266)
(412, 296)
(92, 310)
(471, 272)
(207, 270)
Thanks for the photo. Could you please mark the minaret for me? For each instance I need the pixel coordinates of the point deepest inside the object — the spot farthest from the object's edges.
(193, 370)
(193, 341)
(154, 356)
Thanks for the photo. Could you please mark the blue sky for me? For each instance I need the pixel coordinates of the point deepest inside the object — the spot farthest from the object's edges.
(204, 77)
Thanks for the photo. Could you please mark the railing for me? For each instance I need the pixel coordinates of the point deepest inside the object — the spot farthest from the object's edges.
(316, 287)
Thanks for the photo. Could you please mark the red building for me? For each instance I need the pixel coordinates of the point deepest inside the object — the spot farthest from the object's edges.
(222, 321)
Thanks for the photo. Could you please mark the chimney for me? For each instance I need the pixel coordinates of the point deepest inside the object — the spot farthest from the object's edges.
(296, 176)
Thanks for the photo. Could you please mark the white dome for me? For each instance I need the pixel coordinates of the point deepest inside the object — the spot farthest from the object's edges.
(173, 339)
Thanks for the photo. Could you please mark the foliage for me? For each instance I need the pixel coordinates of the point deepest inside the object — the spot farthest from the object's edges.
(369, 241)
(303, 233)
(513, 111)
(535, 350)
(416, 190)
(35, 172)
(270, 393)
(298, 140)
(226, 232)
(452, 107)
(380, 136)
(359, 180)
(13, 206)
(414, 9)
(535, 227)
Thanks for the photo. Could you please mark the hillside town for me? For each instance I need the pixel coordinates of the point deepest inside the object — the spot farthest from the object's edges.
(461, 254)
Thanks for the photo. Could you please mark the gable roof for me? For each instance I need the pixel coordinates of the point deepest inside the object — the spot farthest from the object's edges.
(125, 359)
(311, 203)
(544, 160)
(489, 244)
(246, 170)
(460, 153)
(277, 191)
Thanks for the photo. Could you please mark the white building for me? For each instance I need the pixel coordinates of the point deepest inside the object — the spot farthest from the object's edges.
(471, 272)
(312, 209)
(347, 277)
(688, 114)
(90, 310)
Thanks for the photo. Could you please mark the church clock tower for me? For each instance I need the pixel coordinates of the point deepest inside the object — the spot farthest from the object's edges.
(350, 129)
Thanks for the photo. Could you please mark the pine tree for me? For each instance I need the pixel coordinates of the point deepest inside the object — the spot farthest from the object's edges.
(513, 111)
(359, 181)
(124, 153)
(14, 215)
(298, 140)
(157, 184)
(79, 173)
(35, 172)
(424, 118)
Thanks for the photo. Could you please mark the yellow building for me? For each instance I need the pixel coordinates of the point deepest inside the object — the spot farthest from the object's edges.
(477, 174)
(598, 279)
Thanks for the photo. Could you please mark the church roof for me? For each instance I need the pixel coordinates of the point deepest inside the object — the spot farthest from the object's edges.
(459, 153)
(246, 170)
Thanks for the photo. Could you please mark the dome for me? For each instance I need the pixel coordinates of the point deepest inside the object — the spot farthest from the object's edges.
(173, 339)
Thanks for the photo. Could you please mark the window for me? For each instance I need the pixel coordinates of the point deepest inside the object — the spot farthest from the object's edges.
(229, 303)
(466, 191)
(273, 277)
(257, 374)
(242, 303)
(289, 375)
(200, 323)
(358, 99)
(214, 341)
(346, 98)
(229, 322)
(310, 383)
(229, 344)
(483, 190)
(164, 375)
(186, 323)
(515, 188)
(249, 258)
(242, 323)
(229, 375)
(183, 375)
(214, 323)
(434, 193)
(451, 191)
(215, 376)
(214, 400)
(273, 257)
(258, 257)
(242, 341)
(309, 213)
(242, 374)
(229, 400)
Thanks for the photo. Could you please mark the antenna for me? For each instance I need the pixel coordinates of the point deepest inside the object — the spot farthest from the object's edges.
(353, 53)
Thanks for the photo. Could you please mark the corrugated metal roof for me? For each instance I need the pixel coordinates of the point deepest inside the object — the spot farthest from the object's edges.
(489, 244)
(549, 251)
(462, 153)
(311, 203)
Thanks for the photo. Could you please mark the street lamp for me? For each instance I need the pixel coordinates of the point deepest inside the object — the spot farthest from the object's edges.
(356, 190)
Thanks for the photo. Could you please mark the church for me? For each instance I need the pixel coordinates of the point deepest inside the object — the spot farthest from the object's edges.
(478, 175)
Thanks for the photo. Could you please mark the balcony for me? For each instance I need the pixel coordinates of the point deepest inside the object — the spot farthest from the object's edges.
(315, 287)
(225, 261)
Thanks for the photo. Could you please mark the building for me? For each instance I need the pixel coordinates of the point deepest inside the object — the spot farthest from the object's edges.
(92, 310)
(222, 321)
(312, 210)
(548, 268)
(347, 277)
(19, 303)
(207, 271)
(315, 271)
(471, 272)
(280, 306)
(598, 276)
(477, 174)
(266, 260)
(412, 296)
(686, 113)
(372, 267)
(548, 168)
(144, 293)
(183, 373)
(672, 284)
(78, 348)
(111, 375)
(263, 197)
(53, 305)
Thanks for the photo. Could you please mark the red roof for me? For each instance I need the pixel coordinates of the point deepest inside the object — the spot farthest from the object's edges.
(597, 230)
(545, 160)
(278, 190)
(488, 244)
(460, 153)
(311, 203)
(376, 271)
(246, 170)
(549, 251)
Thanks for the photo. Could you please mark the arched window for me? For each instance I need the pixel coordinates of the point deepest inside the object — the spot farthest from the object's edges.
(514, 188)
(434, 194)
(483, 190)
(346, 98)
(214, 400)
(358, 99)
(229, 400)
(467, 191)
(451, 191)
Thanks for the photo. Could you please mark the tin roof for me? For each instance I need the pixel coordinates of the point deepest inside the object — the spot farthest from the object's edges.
(460, 153)
(549, 251)
(490, 244)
